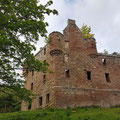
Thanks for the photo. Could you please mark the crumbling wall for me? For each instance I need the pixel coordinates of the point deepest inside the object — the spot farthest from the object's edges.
(82, 76)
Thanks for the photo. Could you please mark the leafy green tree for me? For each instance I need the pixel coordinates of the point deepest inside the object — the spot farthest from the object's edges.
(86, 32)
(21, 24)
(10, 100)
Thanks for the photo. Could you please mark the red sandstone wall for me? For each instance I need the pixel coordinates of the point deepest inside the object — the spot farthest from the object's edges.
(41, 86)
(75, 90)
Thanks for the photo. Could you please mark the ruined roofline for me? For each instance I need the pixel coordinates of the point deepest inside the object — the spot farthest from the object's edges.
(55, 32)
(70, 21)
(41, 48)
(108, 55)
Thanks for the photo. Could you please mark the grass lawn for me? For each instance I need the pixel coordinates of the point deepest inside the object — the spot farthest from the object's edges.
(86, 113)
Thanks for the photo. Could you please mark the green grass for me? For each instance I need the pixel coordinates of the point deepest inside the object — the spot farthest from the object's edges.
(86, 113)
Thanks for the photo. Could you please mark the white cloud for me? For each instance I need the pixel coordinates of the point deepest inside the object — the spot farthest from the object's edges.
(102, 15)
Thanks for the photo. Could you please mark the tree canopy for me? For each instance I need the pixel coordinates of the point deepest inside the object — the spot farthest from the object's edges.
(21, 24)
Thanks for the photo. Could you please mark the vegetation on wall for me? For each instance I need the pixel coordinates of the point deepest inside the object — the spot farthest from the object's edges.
(86, 31)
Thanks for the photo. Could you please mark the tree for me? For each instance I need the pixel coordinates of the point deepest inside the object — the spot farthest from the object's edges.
(21, 24)
(86, 31)
(105, 52)
(10, 100)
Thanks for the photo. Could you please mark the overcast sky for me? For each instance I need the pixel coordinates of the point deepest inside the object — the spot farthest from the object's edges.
(102, 15)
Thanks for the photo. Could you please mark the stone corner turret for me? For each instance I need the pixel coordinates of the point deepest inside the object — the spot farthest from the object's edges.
(55, 43)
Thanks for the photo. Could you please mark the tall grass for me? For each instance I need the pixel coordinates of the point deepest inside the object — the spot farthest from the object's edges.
(84, 113)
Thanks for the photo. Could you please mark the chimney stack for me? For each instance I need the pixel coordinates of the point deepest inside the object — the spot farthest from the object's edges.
(71, 22)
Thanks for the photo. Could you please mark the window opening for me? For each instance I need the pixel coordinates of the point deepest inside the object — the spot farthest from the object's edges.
(88, 75)
(44, 51)
(107, 77)
(47, 98)
(29, 106)
(104, 61)
(44, 79)
(67, 72)
(44, 61)
(31, 86)
(40, 101)
(44, 76)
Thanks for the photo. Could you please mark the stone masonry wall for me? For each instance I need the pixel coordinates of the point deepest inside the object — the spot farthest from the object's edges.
(82, 76)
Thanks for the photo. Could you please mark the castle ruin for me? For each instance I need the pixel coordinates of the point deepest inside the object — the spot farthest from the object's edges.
(82, 76)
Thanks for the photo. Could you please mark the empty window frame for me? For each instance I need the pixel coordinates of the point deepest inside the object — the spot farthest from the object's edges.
(44, 61)
(29, 106)
(88, 75)
(44, 51)
(40, 101)
(104, 61)
(47, 98)
(67, 73)
(31, 86)
(44, 77)
(107, 77)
